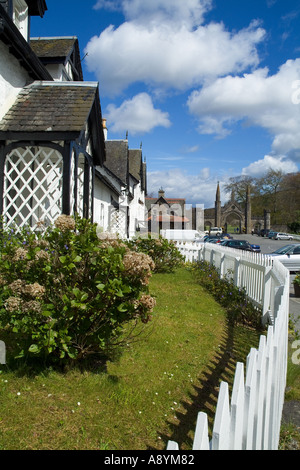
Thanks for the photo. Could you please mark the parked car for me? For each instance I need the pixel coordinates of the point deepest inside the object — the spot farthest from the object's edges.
(264, 232)
(282, 236)
(215, 231)
(256, 248)
(239, 245)
(289, 256)
(226, 236)
(212, 239)
(272, 234)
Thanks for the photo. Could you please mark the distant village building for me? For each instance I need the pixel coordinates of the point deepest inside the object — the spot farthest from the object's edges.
(172, 213)
(54, 157)
(165, 213)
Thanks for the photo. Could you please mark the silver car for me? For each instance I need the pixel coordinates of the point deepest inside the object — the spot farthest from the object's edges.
(289, 255)
(282, 236)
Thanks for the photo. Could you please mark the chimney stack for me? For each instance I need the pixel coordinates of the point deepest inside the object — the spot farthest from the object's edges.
(104, 128)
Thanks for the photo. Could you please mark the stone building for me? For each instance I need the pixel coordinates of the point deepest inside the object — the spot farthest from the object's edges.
(233, 218)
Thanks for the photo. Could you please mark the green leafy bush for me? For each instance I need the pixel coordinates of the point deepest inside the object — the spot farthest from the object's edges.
(66, 293)
(234, 299)
(164, 253)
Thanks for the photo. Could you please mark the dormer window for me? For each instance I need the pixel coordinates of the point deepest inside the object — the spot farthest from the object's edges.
(20, 17)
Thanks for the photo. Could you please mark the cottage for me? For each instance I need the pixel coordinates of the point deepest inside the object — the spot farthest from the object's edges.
(51, 135)
(53, 155)
(126, 172)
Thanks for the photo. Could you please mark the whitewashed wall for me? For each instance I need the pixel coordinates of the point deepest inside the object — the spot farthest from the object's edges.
(136, 209)
(12, 79)
(102, 204)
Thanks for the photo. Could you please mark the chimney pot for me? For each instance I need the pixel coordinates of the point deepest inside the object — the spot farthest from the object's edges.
(104, 128)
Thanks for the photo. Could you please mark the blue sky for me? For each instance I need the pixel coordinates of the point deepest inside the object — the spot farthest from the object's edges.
(210, 87)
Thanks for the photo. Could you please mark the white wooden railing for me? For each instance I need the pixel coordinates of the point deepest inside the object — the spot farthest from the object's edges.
(250, 419)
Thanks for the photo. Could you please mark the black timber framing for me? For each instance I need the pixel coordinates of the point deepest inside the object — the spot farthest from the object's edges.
(20, 48)
(66, 151)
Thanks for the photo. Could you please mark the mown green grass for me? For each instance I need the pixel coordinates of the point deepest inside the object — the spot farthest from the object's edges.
(290, 431)
(150, 394)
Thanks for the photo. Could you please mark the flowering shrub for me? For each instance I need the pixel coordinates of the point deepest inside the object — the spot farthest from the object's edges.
(66, 294)
(239, 308)
(164, 253)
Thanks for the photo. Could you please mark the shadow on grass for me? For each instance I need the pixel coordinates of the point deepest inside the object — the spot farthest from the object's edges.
(233, 348)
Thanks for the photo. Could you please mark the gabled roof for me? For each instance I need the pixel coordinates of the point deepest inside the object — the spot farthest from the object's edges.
(46, 109)
(50, 106)
(59, 50)
(36, 7)
(53, 47)
(117, 159)
(136, 164)
(163, 201)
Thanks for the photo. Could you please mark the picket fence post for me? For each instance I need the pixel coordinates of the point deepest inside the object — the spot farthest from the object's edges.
(2, 353)
(237, 409)
(201, 441)
(252, 419)
(220, 435)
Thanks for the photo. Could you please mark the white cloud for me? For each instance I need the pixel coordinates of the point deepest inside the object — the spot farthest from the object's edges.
(259, 99)
(197, 188)
(149, 11)
(171, 54)
(189, 12)
(269, 162)
(111, 5)
(136, 115)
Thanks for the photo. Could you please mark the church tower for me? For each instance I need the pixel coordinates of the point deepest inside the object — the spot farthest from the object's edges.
(218, 207)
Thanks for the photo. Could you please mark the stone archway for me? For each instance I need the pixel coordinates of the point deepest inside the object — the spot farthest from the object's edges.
(233, 223)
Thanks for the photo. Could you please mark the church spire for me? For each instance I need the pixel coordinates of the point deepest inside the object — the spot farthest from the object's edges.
(218, 193)
(218, 207)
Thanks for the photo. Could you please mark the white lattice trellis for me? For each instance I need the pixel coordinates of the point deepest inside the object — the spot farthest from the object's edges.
(91, 192)
(72, 183)
(117, 221)
(80, 183)
(32, 186)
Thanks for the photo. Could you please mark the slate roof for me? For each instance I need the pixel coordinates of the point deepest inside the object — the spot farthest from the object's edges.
(117, 159)
(59, 50)
(52, 47)
(51, 106)
(135, 163)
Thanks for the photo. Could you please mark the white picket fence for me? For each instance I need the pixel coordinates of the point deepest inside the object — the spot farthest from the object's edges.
(250, 419)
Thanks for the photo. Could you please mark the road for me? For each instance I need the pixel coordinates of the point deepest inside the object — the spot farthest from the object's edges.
(268, 246)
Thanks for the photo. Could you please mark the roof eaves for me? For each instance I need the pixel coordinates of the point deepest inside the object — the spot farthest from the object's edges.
(20, 48)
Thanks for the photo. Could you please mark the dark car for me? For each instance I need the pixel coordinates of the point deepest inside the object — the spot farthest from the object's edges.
(239, 245)
(264, 232)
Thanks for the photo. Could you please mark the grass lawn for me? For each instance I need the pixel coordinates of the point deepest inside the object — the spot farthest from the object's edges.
(290, 429)
(150, 394)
